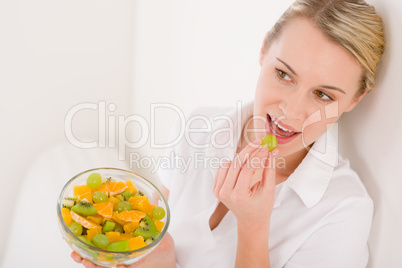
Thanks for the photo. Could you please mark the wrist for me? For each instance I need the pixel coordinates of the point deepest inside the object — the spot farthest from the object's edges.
(253, 230)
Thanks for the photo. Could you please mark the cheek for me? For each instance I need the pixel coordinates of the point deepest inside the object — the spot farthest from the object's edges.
(319, 122)
(266, 92)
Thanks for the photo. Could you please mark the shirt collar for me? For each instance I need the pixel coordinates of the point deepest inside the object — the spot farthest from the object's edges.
(310, 179)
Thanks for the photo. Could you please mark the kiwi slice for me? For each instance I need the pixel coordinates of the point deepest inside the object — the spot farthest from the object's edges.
(105, 180)
(84, 208)
(152, 238)
(84, 231)
(84, 239)
(139, 193)
(126, 195)
(118, 228)
(108, 226)
(68, 202)
(146, 229)
(122, 245)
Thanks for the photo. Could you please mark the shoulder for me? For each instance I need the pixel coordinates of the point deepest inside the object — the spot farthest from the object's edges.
(347, 182)
(348, 195)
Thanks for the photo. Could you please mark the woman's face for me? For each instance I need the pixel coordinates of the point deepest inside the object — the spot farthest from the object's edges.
(306, 83)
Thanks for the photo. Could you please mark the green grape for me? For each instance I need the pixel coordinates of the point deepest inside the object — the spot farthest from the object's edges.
(76, 228)
(100, 197)
(94, 180)
(122, 206)
(270, 141)
(158, 213)
(122, 245)
(100, 240)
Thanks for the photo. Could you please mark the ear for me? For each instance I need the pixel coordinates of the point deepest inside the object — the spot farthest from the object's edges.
(356, 101)
(263, 49)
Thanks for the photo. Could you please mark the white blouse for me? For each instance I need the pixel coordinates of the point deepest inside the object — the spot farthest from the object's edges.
(322, 213)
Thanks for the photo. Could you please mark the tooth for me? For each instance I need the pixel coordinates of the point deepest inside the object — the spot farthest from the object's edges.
(285, 129)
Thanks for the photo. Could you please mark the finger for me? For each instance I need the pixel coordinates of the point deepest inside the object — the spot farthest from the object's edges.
(88, 264)
(269, 174)
(220, 177)
(77, 258)
(238, 163)
(247, 172)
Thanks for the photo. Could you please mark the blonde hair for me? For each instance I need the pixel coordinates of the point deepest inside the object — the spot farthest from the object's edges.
(353, 24)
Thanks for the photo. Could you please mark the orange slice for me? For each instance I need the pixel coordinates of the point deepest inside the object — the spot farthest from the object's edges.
(159, 225)
(83, 221)
(86, 195)
(65, 213)
(131, 187)
(114, 200)
(131, 216)
(136, 243)
(96, 218)
(92, 232)
(113, 236)
(130, 227)
(116, 187)
(125, 236)
(141, 203)
(81, 189)
(104, 209)
(116, 219)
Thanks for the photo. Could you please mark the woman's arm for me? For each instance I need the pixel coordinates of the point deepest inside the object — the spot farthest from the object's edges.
(252, 204)
(252, 246)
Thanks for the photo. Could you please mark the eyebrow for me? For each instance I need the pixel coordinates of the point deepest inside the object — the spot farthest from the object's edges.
(287, 66)
(327, 87)
(334, 88)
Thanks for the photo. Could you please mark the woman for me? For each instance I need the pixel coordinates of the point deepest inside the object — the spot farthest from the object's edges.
(317, 62)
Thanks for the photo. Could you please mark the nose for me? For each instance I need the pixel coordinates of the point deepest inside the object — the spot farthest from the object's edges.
(294, 105)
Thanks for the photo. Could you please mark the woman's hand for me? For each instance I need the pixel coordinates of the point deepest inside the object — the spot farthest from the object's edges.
(162, 256)
(250, 201)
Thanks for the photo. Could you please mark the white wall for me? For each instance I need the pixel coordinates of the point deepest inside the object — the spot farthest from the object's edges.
(371, 139)
(54, 55)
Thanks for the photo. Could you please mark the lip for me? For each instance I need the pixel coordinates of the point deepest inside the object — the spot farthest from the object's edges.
(281, 140)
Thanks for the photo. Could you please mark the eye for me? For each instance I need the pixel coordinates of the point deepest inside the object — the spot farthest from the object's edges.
(322, 96)
(283, 76)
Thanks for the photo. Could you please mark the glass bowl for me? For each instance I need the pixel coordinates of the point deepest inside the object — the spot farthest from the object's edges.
(104, 257)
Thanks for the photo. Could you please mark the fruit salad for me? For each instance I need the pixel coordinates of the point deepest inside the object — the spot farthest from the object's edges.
(112, 215)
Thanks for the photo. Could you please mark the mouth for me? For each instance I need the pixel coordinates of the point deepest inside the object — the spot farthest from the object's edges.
(282, 132)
